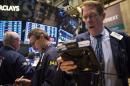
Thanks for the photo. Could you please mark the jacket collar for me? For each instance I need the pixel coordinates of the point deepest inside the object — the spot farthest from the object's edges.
(9, 47)
(115, 49)
(87, 35)
(114, 43)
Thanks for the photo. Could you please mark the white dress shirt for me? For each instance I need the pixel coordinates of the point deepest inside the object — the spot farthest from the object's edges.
(111, 78)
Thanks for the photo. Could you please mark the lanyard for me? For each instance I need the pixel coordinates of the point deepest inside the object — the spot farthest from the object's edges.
(40, 61)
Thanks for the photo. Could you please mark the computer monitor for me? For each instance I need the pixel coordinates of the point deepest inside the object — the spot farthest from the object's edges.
(64, 35)
(5, 25)
(52, 31)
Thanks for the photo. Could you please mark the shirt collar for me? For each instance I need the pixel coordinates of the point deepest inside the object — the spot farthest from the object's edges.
(104, 33)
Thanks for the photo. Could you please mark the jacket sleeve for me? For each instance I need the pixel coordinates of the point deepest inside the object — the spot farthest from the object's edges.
(22, 67)
(128, 53)
(125, 44)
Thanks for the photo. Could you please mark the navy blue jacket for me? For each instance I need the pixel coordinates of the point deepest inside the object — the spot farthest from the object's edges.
(13, 66)
(46, 71)
(121, 56)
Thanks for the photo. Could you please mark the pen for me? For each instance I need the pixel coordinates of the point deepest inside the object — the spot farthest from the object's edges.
(21, 78)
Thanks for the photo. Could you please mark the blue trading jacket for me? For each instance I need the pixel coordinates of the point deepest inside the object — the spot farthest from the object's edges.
(46, 71)
(13, 65)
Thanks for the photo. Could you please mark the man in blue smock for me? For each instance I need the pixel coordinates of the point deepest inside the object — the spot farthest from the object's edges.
(13, 64)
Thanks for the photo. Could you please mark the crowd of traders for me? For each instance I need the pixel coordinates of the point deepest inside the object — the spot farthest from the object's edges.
(53, 70)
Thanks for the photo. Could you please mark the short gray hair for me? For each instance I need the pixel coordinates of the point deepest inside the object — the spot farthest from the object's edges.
(10, 37)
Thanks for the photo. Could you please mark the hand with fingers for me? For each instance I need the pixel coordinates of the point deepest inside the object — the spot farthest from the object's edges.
(22, 82)
(67, 66)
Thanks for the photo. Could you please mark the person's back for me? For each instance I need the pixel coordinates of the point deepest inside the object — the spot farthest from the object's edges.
(10, 69)
(13, 64)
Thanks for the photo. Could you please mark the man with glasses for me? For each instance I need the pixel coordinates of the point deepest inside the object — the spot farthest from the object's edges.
(114, 50)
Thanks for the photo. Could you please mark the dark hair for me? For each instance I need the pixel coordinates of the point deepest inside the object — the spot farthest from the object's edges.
(96, 4)
(37, 33)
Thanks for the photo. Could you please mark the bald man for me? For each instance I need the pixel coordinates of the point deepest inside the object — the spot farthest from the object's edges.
(13, 64)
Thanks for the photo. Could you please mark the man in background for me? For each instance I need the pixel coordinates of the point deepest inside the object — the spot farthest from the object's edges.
(46, 72)
(46, 67)
(13, 64)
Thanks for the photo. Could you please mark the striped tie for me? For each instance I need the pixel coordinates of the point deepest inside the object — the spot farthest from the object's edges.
(100, 57)
(98, 49)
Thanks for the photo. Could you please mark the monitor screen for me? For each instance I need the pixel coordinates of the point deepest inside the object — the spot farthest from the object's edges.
(64, 35)
(15, 26)
(52, 31)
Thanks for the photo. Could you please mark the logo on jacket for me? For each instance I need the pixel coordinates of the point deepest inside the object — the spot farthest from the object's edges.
(53, 62)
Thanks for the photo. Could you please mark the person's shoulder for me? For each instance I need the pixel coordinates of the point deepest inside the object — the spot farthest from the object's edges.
(117, 32)
(52, 49)
(15, 53)
(121, 32)
(52, 52)
(82, 34)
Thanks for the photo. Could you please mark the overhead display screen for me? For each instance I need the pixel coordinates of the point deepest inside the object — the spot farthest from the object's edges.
(64, 35)
(15, 26)
(52, 31)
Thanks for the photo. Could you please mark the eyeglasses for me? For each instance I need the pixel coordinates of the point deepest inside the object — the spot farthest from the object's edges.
(91, 16)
